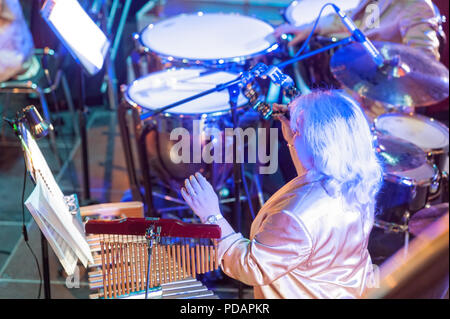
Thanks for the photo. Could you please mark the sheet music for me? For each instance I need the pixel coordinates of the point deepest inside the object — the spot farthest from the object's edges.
(65, 254)
(49, 210)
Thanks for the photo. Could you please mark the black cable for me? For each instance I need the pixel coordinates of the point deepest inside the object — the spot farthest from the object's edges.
(25, 233)
(247, 193)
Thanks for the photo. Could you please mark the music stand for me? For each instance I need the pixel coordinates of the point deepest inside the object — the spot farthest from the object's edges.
(56, 215)
(88, 46)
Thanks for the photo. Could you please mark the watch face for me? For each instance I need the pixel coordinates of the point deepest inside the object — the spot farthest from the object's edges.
(212, 219)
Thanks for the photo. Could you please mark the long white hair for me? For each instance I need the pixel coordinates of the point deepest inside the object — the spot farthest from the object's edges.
(340, 142)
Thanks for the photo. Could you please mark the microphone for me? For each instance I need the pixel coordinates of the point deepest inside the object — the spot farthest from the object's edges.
(359, 36)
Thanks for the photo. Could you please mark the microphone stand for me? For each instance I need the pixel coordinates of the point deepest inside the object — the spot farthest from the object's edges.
(217, 88)
(344, 41)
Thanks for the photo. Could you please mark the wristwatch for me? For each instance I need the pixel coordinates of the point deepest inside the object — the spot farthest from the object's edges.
(213, 219)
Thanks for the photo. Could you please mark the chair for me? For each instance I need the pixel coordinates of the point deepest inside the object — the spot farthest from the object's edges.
(32, 84)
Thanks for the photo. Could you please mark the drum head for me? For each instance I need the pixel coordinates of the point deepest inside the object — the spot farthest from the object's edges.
(403, 161)
(419, 130)
(303, 12)
(159, 89)
(209, 37)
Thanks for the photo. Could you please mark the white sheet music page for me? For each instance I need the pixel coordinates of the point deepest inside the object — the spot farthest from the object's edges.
(46, 204)
(67, 257)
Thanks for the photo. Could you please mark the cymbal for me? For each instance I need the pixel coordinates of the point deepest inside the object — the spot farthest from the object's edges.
(409, 78)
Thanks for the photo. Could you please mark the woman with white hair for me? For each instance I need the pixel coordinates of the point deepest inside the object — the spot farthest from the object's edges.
(310, 238)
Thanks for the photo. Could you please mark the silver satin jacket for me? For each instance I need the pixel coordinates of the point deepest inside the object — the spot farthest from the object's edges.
(303, 244)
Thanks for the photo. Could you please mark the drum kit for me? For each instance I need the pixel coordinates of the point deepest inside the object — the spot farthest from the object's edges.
(201, 51)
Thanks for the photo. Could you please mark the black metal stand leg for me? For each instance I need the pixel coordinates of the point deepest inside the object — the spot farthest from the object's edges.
(143, 161)
(45, 267)
(126, 144)
(82, 115)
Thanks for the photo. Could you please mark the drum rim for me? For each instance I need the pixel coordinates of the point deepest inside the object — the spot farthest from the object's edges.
(434, 122)
(207, 62)
(291, 5)
(203, 115)
(394, 178)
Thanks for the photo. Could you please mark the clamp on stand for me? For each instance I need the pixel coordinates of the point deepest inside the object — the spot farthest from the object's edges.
(151, 238)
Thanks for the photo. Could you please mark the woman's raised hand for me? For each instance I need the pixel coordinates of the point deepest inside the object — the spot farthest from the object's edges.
(200, 196)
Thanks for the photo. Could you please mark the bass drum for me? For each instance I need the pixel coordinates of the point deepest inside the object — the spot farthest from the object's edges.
(198, 125)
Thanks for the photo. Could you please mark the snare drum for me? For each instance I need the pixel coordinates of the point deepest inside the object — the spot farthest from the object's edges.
(209, 114)
(408, 180)
(209, 40)
(428, 134)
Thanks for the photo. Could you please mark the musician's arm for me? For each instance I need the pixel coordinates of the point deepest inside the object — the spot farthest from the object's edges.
(281, 244)
(418, 28)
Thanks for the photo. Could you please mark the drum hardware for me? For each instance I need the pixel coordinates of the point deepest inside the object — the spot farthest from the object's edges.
(409, 179)
(390, 227)
(410, 183)
(145, 61)
(124, 129)
(445, 189)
